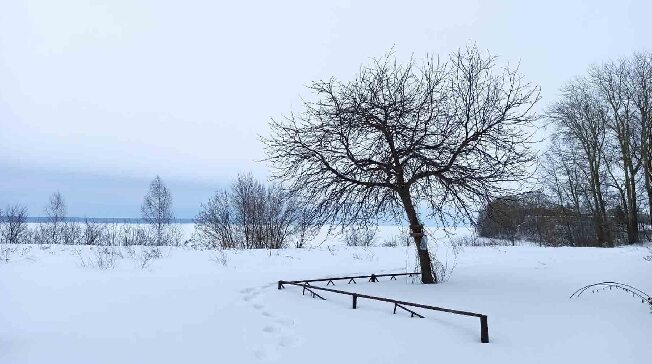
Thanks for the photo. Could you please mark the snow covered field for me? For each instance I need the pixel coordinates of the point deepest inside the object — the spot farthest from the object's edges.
(189, 307)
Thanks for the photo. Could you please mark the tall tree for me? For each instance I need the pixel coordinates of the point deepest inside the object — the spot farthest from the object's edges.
(580, 122)
(611, 83)
(157, 211)
(564, 175)
(248, 204)
(398, 138)
(640, 89)
(54, 229)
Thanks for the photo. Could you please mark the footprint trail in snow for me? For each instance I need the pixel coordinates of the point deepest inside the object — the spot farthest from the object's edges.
(277, 332)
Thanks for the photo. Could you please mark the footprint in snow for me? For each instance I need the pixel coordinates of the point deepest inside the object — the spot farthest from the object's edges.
(285, 322)
(279, 330)
(260, 353)
(251, 295)
(287, 341)
(270, 329)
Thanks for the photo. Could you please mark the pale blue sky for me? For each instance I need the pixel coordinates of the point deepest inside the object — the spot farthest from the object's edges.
(97, 97)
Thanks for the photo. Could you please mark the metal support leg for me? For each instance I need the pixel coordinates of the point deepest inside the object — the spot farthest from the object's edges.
(484, 330)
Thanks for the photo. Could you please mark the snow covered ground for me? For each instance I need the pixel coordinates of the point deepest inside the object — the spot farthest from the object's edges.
(189, 307)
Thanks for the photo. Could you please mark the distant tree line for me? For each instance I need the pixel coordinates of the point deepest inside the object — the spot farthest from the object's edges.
(56, 228)
(248, 215)
(596, 177)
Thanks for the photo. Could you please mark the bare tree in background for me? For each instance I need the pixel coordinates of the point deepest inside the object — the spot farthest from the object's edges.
(14, 224)
(605, 118)
(280, 215)
(214, 224)
(600, 158)
(94, 233)
(581, 122)
(611, 83)
(445, 136)
(564, 174)
(306, 224)
(360, 235)
(247, 200)
(252, 215)
(157, 211)
(640, 89)
(263, 216)
(56, 209)
(53, 231)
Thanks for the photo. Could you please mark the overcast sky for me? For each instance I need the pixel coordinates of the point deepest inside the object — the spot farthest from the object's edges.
(97, 97)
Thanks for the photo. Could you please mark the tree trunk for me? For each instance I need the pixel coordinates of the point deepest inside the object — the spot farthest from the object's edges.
(599, 212)
(416, 229)
(645, 158)
(648, 183)
(648, 188)
(631, 210)
(632, 218)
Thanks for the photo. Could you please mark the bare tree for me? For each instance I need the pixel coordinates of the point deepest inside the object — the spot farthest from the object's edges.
(280, 214)
(56, 209)
(157, 211)
(247, 200)
(565, 175)
(306, 223)
(14, 224)
(252, 215)
(640, 89)
(611, 83)
(53, 230)
(214, 224)
(94, 233)
(580, 122)
(605, 117)
(440, 136)
(360, 235)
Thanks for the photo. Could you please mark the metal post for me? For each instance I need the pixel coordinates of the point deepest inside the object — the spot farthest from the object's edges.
(355, 301)
(484, 329)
